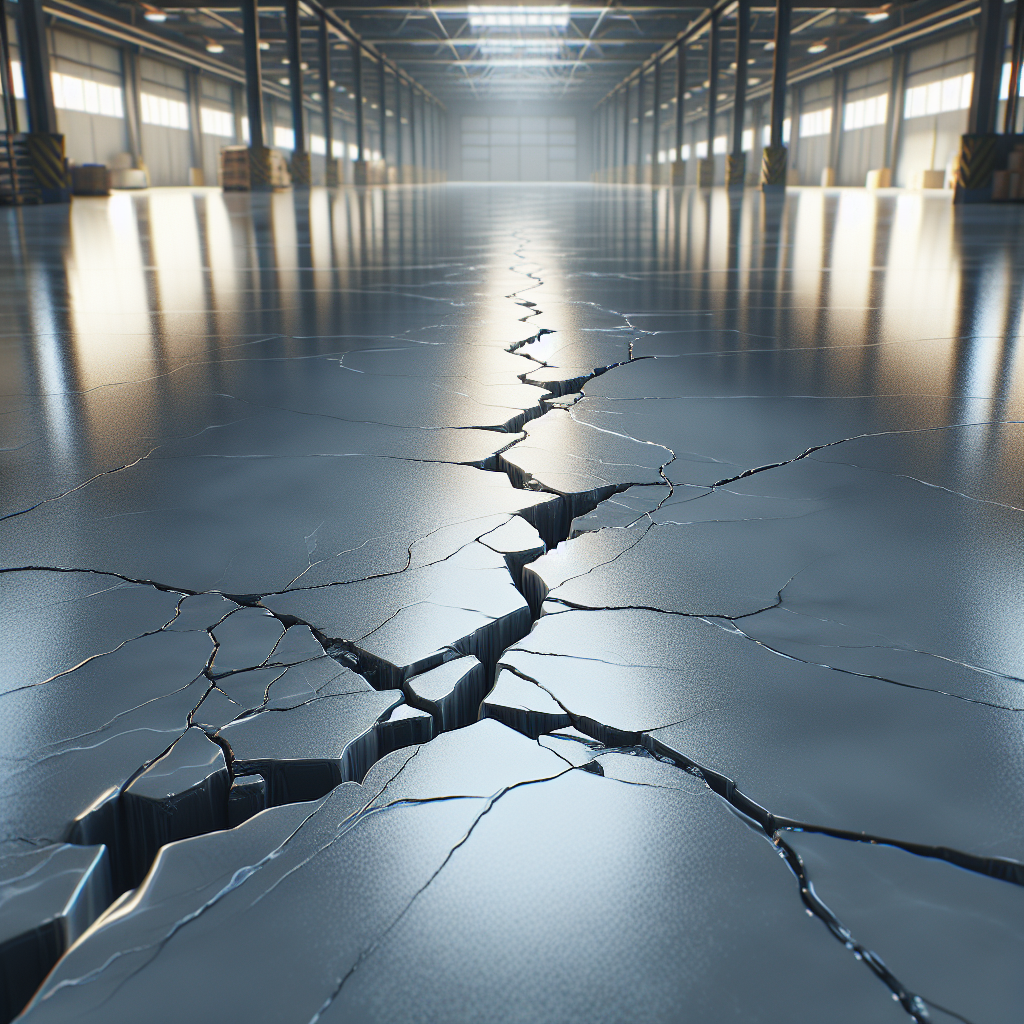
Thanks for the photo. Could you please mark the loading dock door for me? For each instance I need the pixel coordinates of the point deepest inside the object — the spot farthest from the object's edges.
(519, 148)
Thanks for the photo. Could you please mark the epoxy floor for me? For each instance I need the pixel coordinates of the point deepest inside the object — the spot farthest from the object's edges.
(614, 598)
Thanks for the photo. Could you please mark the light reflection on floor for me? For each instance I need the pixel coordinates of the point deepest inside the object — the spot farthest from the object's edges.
(210, 392)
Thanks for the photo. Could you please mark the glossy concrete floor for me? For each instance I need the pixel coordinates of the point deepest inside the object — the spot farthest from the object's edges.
(614, 598)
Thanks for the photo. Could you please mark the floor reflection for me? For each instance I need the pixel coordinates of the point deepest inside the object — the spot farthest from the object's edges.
(757, 460)
(900, 293)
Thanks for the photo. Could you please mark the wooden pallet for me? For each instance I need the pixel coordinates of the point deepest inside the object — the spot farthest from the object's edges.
(238, 164)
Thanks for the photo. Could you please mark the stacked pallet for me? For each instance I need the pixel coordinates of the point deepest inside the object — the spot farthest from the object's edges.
(90, 180)
(244, 168)
(1008, 185)
(234, 168)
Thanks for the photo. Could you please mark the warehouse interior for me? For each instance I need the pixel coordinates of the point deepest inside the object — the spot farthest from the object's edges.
(511, 512)
(621, 91)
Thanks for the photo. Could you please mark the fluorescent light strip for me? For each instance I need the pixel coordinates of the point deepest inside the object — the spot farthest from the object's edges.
(518, 17)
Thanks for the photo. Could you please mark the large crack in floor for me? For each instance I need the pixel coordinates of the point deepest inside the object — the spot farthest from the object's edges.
(386, 715)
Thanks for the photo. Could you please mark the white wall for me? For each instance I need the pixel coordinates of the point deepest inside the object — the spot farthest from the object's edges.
(215, 95)
(167, 151)
(932, 142)
(88, 138)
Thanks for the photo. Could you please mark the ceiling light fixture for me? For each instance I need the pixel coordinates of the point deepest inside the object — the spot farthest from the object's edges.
(500, 45)
(264, 45)
(154, 15)
(212, 47)
(817, 48)
(876, 16)
(770, 45)
(518, 17)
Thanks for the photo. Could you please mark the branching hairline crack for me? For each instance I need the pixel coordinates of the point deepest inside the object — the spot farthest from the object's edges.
(368, 951)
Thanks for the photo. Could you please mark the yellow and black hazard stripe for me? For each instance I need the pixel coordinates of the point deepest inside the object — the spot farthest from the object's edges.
(976, 162)
(259, 168)
(735, 168)
(46, 158)
(773, 165)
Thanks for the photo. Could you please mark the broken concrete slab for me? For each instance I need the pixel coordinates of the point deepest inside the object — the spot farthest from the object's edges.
(452, 692)
(584, 464)
(245, 639)
(48, 898)
(404, 625)
(518, 542)
(246, 797)
(305, 751)
(523, 705)
(291, 866)
(109, 698)
(801, 740)
(182, 794)
(405, 726)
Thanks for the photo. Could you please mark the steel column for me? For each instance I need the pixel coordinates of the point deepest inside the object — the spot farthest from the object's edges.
(412, 130)
(623, 133)
(739, 109)
(987, 68)
(1013, 101)
(293, 48)
(398, 125)
(773, 164)
(894, 114)
(780, 68)
(35, 67)
(383, 88)
(421, 150)
(6, 78)
(640, 112)
(132, 104)
(357, 73)
(425, 136)
(835, 142)
(195, 127)
(714, 48)
(253, 74)
(680, 98)
(656, 125)
(323, 46)
(706, 167)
